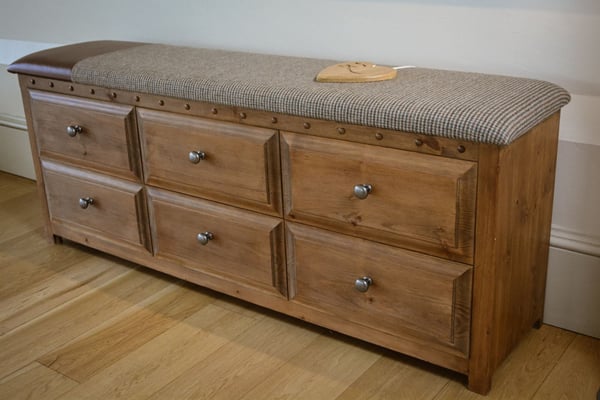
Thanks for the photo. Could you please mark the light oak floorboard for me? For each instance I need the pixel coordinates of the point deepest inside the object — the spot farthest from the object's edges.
(324, 369)
(155, 364)
(20, 214)
(35, 382)
(13, 186)
(243, 363)
(30, 341)
(29, 259)
(397, 377)
(127, 331)
(41, 297)
(524, 370)
(577, 376)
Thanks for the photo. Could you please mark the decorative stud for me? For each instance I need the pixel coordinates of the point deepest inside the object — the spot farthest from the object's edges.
(461, 148)
(71, 88)
(137, 98)
(341, 131)
(274, 120)
(306, 125)
(51, 84)
(214, 111)
(32, 81)
(161, 102)
(92, 91)
(187, 106)
(418, 142)
(378, 136)
(114, 95)
(242, 115)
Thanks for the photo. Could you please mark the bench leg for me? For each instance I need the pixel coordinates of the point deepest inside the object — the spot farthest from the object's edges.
(479, 383)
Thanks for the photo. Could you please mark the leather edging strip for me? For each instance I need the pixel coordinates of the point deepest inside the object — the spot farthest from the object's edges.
(57, 63)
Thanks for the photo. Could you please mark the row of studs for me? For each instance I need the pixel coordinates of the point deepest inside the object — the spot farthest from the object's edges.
(243, 115)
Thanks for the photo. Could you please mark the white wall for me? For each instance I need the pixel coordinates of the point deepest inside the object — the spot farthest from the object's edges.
(555, 40)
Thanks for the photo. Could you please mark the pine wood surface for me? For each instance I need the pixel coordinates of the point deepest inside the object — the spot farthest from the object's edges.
(433, 300)
(433, 197)
(79, 324)
(241, 166)
(108, 132)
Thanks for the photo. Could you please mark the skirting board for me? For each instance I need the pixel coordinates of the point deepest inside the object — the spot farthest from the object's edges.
(15, 153)
(572, 295)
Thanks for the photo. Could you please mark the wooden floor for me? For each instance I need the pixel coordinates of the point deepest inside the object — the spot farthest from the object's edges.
(77, 324)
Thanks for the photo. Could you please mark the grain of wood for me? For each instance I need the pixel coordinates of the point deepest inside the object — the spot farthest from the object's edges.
(577, 375)
(241, 249)
(20, 214)
(127, 331)
(523, 371)
(153, 365)
(58, 289)
(323, 370)
(391, 378)
(35, 381)
(419, 202)
(30, 341)
(13, 186)
(243, 363)
(29, 259)
(241, 307)
(108, 137)
(252, 180)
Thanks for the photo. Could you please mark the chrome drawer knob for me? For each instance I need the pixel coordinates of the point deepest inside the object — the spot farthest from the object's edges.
(196, 156)
(363, 284)
(204, 238)
(363, 190)
(85, 202)
(73, 130)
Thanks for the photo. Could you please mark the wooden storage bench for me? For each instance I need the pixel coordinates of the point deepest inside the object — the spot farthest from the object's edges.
(412, 213)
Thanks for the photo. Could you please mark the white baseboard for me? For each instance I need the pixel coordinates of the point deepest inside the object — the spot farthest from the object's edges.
(572, 295)
(15, 152)
(13, 121)
(572, 240)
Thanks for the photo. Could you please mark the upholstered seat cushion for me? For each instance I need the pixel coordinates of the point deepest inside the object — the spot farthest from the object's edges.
(466, 106)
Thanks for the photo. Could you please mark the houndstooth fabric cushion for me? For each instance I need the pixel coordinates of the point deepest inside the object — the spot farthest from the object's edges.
(459, 105)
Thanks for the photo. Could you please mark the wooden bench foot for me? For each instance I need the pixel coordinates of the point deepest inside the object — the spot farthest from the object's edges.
(479, 384)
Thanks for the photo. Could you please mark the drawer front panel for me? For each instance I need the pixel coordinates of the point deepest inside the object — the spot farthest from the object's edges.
(237, 244)
(105, 140)
(416, 201)
(115, 209)
(410, 294)
(240, 164)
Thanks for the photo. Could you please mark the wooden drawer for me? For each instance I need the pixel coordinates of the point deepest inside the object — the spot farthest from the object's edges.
(117, 211)
(421, 202)
(246, 247)
(411, 295)
(107, 140)
(241, 165)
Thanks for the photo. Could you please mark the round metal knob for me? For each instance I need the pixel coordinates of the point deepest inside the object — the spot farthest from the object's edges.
(204, 238)
(363, 284)
(362, 191)
(73, 130)
(85, 202)
(196, 156)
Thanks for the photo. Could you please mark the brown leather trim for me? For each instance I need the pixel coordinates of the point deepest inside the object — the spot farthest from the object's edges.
(57, 63)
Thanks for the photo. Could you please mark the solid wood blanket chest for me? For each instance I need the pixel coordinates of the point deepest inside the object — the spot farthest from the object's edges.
(412, 213)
